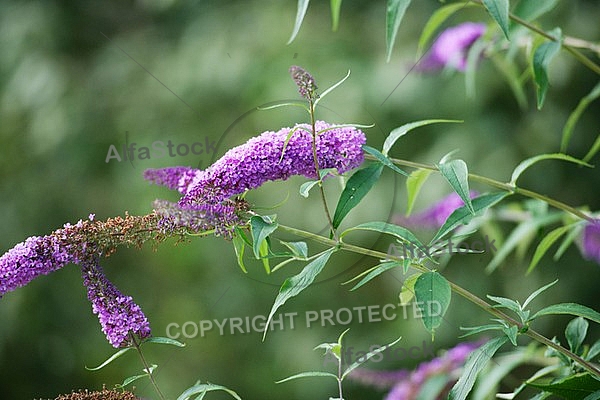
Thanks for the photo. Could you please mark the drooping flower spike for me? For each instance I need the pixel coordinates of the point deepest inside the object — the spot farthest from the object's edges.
(119, 316)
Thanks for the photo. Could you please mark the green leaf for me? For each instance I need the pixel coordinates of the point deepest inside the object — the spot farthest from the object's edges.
(569, 308)
(407, 292)
(475, 363)
(376, 271)
(531, 161)
(575, 115)
(404, 129)
(399, 232)
(383, 159)
(535, 294)
(110, 359)
(309, 374)
(457, 175)
(462, 214)
(263, 253)
(239, 246)
(478, 329)
(279, 104)
(261, 227)
(545, 244)
(336, 6)
(573, 387)
(437, 18)
(509, 304)
(394, 13)
(293, 286)
(356, 189)
(331, 89)
(541, 59)
(367, 357)
(511, 333)
(300, 13)
(131, 379)
(575, 333)
(529, 10)
(498, 9)
(413, 186)
(520, 236)
(298, 249)
(164, 340)
(203, 388)
(593, 150)
(432, 288)
(593, 396)
(593, 351)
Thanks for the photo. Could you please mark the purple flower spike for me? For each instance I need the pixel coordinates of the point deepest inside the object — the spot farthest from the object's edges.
(451, 47)
(407, 384)
(41, 255)
(118, 314)
(434, 216)
(175, 178)
(591, 241)
(259, 160)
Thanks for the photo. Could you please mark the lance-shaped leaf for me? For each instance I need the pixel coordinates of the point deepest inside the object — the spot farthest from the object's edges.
(569, 308)
(432, 289)
(541, 59)
(300, 13)
(291, 287)
(462, 214)
(404, 129)
(475, 363)
(393, 17)
(457, 175)
(356, 189)
(498, 9)
(531, 161)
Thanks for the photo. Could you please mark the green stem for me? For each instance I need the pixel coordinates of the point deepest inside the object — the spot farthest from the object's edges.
(567, 45)
(455, 288)
(499, 185)
(146, 367)
(316, 160)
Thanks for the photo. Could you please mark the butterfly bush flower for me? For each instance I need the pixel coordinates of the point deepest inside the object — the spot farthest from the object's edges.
(434, 216)
(260, 160)
(118, 314)
(452, 46)
(207, 202)
(591, 241)
(41, 255)
(305, 82)
(406, 385)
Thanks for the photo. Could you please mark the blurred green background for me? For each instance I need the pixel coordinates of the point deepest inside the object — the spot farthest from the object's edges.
(79, 76)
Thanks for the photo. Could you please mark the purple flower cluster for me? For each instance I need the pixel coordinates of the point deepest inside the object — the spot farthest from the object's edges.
(407, 384)
(82, 244)
(591, 241)
(40, 255)
(206, 201)
(305, 82)
(451, 47)
(118, 314)
(434, 216)
(263, 159)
